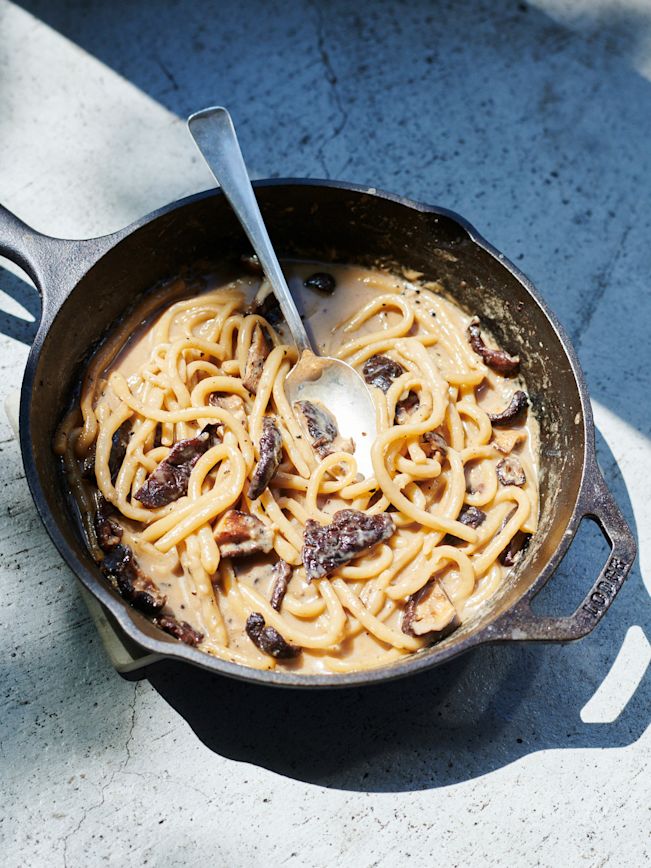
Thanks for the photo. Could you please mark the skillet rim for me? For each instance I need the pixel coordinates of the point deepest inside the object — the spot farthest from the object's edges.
(412, 664)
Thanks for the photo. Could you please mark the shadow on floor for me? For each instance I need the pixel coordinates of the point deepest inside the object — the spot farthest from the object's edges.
(478, 713)
(21, 328)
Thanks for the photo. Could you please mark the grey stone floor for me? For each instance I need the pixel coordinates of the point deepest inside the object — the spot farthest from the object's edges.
(534, 121)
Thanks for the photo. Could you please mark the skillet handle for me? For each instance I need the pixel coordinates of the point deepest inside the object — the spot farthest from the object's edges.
(23, 245)
(54, 264)
(598, 504)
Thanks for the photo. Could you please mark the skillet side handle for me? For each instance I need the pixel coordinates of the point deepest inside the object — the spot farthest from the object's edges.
(54, 264)
(24, 246)
(598, 504)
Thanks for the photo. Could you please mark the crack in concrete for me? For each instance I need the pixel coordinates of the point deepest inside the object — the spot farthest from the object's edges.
(167, 73)
(86, 812)
(132, 726)
(602, 280)
(209, 800)
(331, 78)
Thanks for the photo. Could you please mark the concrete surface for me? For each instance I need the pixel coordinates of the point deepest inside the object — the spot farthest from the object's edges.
(532, 120)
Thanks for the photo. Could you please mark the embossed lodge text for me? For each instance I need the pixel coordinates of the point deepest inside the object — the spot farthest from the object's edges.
(607, 587)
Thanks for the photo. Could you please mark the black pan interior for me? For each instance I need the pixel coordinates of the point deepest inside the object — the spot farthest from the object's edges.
(329, 224)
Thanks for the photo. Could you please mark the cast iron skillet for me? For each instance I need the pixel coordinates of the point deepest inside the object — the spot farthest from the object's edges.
(86, 285)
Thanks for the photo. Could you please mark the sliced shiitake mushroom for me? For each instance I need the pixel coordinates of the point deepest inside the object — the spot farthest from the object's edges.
(349, 533)
(123, 571)
(261, 346)
(510, 471)
(232, 403)
(282, 574)
(517, 544)
(271, 453)
(181, 630)
(515, 548)
(321, 425)
(497, 360)
(108, 531)
(470, 516)
(380, 371)
(519, 403)
(169, 480)
(405, 407)
(321, 280)
(119, 443)
(268, 639)
(239, 534)
(265, 304)
(322, 428)
(429, 613)
(436, 443)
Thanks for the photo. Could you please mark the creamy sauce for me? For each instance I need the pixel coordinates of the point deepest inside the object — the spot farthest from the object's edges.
(306, 611)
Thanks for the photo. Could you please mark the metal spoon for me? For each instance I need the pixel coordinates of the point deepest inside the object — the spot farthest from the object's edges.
(330, 382)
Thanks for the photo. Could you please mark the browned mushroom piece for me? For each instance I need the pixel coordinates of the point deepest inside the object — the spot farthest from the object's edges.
(517, 545)
(471, 516)
(232, 403)
(405, 408)
(349, 533)
(322, 429)
(268, 639)
(282, 574)
(270, 310)
(519, 403)
(271, 453)
(109, 533)
(123, 571)
(429, 613)
(181, 630)
(261, 346)
(321, 280)
(437, 445)
(497, 360)
(119, 443)
(381, 371)
(510, 471)
(506, 441)
(169, 480)
(266, 305)
(320, 423)
(239, 534)
(518, 542)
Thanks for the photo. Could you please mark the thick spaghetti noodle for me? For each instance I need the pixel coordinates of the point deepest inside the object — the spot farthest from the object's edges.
(201, 489)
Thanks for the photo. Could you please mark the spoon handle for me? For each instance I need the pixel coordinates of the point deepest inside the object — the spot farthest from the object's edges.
(214, 134)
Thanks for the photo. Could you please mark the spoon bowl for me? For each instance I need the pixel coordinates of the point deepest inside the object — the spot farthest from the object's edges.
(329, 382)
(334, 384)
